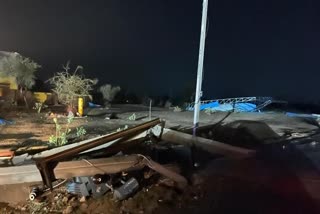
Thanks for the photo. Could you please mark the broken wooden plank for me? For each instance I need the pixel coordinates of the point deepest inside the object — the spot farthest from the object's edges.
(179, 179)
(69, 169)
(112, 165)
(212, 146)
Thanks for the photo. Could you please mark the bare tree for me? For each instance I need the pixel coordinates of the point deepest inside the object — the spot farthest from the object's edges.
(70, 86)
(20, 68)
(109, 92)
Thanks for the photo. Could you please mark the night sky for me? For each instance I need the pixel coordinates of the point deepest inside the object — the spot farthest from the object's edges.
(253, 48)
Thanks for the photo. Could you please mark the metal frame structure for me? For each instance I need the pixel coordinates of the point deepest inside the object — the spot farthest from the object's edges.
(264, 100)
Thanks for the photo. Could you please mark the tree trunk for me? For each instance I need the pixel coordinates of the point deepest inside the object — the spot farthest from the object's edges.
(25, 100)
(24, 96)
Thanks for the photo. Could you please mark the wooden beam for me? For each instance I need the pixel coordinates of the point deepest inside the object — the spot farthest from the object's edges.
(179, 179)
(112, 165)
(212, 146)
(69, 169)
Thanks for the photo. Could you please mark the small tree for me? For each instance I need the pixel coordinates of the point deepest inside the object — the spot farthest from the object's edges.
(108, 92)
(69, 87)
(20, 68)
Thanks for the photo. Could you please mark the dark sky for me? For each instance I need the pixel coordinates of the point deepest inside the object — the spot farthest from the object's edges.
(254, 47)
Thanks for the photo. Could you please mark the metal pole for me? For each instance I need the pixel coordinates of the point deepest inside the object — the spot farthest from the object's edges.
(200, 66)
(150, 106)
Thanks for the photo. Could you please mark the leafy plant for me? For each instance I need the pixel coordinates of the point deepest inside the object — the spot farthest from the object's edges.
(133, 117)
(109, 92)
(80, 131)
(60, 138)
(70, 86)
(39, 107)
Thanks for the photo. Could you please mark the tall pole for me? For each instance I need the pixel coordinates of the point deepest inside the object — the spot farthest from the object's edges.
(200, 66)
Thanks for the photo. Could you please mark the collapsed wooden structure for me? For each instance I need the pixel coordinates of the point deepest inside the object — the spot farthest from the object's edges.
(57, 163)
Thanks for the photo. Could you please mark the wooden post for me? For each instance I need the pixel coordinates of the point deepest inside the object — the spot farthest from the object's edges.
(212, 146)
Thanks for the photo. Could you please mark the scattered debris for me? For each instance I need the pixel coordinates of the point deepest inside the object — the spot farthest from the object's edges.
(126, 190)
(45, 164)
(85, 186)
(96, 177)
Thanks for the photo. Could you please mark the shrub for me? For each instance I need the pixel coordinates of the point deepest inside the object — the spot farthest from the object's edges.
(177, 109)
(69, 86)
(21, 69)
(109, 92)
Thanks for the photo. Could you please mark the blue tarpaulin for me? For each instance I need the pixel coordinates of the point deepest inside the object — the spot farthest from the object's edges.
(238, 107)
(92, 105)
(5, 122)
(245, 107)
(209, 105)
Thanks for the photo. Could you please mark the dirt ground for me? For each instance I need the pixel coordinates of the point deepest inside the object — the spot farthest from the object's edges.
(32, 128)
(215, 186)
